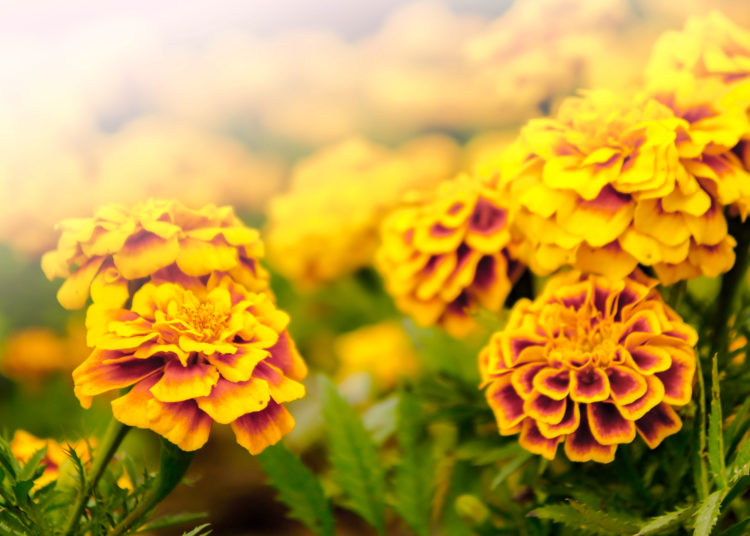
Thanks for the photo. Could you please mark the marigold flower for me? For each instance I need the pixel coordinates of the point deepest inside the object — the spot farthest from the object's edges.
(588, 363)
(611, 183)
(100, 255)
(326, 226)
(383, 350)
(445, 252)
(24, 445)
(194, 354)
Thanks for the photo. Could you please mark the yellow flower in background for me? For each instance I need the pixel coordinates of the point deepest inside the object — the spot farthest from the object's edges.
(195, 353)
(32, 354)
(326, 225)
(446, 251)
(384, 351)
(590, 362)
(100, 255)
(613, 181)
(24, 445)
(147, 157)
(708, 47)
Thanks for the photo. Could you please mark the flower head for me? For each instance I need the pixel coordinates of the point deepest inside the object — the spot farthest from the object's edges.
(100, 255)
(24, 445)
(195, 353)
(611, 183)
(326, 226)
(445, 252)
(588, 363)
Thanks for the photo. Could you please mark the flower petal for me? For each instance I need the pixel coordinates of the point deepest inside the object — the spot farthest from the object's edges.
(554, 383)
(182, 423)
(75, 290)
(533, 441)
(228, 401)
(544, 409)
(239, 366)
(185, 382)
(625, 384)
(95, 376)
(589, 385)
(653, 395)
(523, 376)
(570, 421)
(678, 378)
(144, 253)
(132, 407)
(607, 425)
(256, 431)
(197, 257)
(505, 403)
(581, 446)
(660, 422)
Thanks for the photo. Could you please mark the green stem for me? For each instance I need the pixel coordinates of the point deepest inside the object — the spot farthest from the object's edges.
(174, 463)
(114, 435)
(726, 302)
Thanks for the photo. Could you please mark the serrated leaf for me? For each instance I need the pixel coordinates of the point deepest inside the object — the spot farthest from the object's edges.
(298, 488)
(171, 521)
(670, 520)
(413, 482)
(584, 518)
(715, 433)
(200, 530)
(740, 529)
(741, 465)
(30, 467)
(354, 457)
(708, 513)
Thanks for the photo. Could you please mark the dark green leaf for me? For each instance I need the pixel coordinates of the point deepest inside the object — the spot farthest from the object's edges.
(172, 520)
(659, 524)
(585, 519)
(354, 458)
(31, 466)
(414, 483)
(740, 529)
(298, 488)
(715, 433)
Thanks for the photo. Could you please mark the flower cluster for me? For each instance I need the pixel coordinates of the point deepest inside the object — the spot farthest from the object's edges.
(588, 363)
(100, 255)
(326, 226)
(446, 251)
(24, 445)
(612, 182)
(194, 353)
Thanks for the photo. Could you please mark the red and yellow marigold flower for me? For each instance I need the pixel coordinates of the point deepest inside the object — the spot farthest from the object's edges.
(24, 445)
(99, 255)
(612, 182)
(195, 353)
(588, 363)
(446, 251)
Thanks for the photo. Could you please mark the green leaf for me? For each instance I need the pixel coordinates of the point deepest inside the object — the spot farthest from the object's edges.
(670, 520)
(200, 530)
(708, 513)
(740, 529)
(32, 464)
(584, 518)
(734, 429)
(511, 467)
(354, 457)
(715, 434)
(741, 465)
(172, 520)
(413, 482)
(298, 488)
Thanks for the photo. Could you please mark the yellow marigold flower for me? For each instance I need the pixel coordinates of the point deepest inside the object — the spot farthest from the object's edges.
(445, 252)
(589, 362)
(24, 445)
(36, 352)
(326, 226)
(611, 182)
(194, 354)
(383, 350)
(709, 47)
(100, 255)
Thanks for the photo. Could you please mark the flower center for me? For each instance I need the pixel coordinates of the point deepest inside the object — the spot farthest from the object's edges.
(204, 319)
(585, 346)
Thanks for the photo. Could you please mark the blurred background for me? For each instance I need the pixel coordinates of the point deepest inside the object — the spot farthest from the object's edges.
(311, 119)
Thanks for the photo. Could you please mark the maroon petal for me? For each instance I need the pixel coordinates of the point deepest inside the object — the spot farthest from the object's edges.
(660, 422)
(678, 378)
(544, 409)
(626, 384)
(581, 446)
(505, 403)
(569, 423)
(533, 441)
(589, 385)
(523, 378)
(607, 425)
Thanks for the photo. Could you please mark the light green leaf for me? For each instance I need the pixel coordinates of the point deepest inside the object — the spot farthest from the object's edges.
(298, 489)
(670, 520)
(708, 513)
(199, 530)
(354, 457)
(585, 519)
